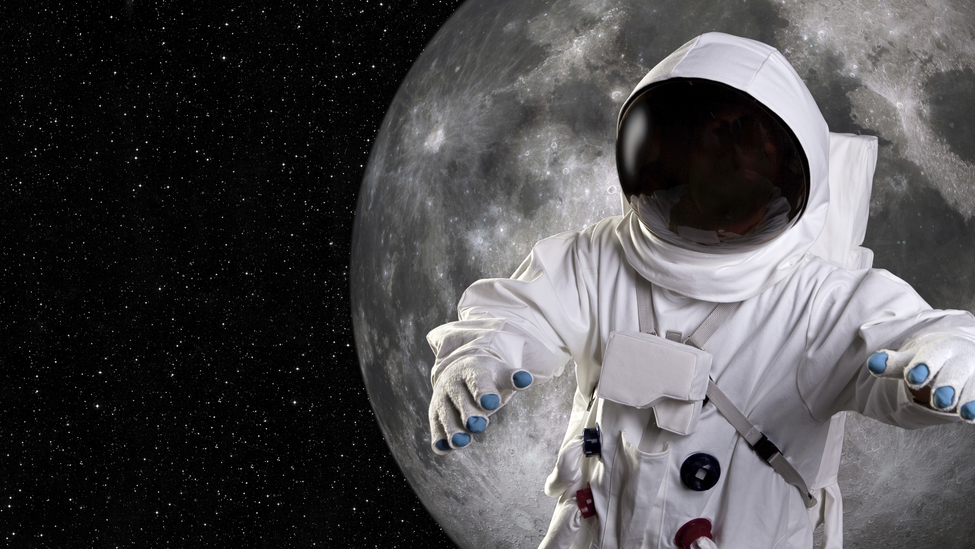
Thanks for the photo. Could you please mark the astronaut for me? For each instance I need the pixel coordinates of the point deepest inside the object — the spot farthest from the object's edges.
(720, 328)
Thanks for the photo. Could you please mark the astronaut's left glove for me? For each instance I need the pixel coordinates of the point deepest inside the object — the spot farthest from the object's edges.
(943, 362)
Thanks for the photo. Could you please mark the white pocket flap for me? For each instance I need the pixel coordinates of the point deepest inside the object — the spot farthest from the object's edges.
(641, 369)
(677, 416)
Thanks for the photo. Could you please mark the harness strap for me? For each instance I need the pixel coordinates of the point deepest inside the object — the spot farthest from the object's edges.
(644, 304)
(711, 324)
(756, 439)
(759, 442)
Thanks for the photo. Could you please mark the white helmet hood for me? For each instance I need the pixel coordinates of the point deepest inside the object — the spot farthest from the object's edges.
(762, 72)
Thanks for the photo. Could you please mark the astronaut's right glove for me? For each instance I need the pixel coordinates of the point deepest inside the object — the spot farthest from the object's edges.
(465, 394)
(941, 362)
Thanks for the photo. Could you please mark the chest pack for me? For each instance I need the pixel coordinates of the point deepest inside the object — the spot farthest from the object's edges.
(671, 375)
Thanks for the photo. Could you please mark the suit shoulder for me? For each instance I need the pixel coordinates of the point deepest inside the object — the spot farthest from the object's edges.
(592, 238)
(878, 287)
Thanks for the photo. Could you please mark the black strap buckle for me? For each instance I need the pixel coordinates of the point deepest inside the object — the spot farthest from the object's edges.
(765, 449)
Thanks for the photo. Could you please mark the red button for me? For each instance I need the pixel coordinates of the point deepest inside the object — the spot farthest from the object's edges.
(697, 528)
(586, 505)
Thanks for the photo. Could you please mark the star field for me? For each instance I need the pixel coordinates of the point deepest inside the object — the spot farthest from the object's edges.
(373, 45)
(178, 193)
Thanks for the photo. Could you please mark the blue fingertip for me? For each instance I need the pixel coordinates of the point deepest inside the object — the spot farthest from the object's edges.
(476, 424)
(461, 439)
(943, 397)
(918, 374)
(968, 411)
(490, 402)
(442, 445)
(522, 379)
(877, 363)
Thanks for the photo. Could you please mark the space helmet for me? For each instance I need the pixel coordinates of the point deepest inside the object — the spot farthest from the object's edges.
(707, 167)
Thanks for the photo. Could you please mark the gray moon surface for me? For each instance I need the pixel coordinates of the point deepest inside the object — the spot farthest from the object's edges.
(503, 133)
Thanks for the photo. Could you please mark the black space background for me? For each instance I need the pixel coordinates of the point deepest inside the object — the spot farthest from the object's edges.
(177, 366)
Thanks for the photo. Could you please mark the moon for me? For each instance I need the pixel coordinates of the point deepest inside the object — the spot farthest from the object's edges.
(503, 134)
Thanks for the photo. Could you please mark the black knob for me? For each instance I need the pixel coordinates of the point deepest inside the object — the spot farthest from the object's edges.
(700, 472)
(591, 441)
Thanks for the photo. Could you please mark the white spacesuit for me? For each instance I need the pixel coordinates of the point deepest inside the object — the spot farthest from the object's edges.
(717, 343)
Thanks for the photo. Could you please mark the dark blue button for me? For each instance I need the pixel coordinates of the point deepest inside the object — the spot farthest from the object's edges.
(700, 472)
(591, 441)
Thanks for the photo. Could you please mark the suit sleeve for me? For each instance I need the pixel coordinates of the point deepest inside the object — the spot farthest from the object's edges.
(531, 321)
(853, 315)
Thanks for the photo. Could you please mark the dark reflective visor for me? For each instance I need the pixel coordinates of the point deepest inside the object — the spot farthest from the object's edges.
(704, 164)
